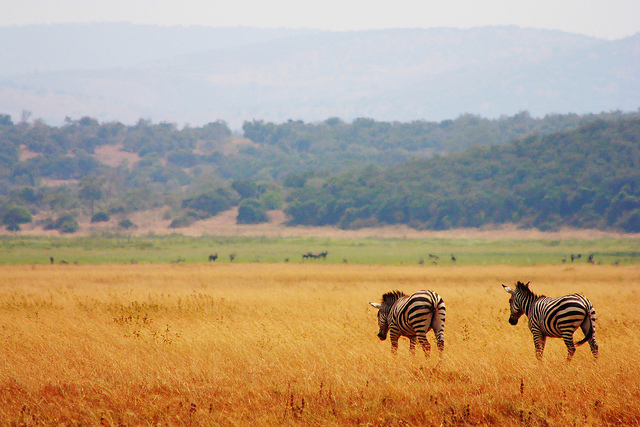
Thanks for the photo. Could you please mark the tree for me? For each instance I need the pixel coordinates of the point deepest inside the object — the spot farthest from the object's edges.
(91, 190)
(5, 120)
(295, 180)
(16, 215)
(215, 131)
(25, 116)
(66, 224)
(272, 200)
(212, 202)
(183, 158)
(251, 211)
(246, 188)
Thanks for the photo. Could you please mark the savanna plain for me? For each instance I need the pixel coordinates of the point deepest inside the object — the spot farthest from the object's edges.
(270, 344)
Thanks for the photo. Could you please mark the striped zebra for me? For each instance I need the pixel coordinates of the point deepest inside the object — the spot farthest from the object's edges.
(411, 316)
(554, 317)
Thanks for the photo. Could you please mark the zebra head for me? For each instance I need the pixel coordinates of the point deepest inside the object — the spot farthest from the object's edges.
(388, 300)
(517, 301)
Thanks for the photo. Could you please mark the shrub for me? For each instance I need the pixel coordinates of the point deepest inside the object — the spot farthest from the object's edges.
(183, 221)
(100, 217)
(126, 224)
(66, 224)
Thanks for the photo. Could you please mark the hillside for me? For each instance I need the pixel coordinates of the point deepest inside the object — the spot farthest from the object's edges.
(584, 178)
(89, 176)
(200, 75)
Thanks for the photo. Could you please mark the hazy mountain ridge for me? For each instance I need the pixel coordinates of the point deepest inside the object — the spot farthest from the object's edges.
(56, 47)
(397, 74)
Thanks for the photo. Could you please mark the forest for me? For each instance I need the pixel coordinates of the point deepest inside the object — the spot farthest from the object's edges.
(559, 170)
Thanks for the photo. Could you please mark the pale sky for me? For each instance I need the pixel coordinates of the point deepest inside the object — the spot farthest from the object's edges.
(609, 19)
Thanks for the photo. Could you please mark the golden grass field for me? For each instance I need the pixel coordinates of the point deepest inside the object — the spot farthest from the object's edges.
(283, 344)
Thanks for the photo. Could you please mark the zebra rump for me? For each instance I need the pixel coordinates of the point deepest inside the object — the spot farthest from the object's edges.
(411, 316)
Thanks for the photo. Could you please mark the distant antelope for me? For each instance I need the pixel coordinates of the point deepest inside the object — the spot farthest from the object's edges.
(213, 257)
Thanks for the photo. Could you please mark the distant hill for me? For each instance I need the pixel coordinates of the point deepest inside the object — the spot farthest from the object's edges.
(64, 47)
(199, 75)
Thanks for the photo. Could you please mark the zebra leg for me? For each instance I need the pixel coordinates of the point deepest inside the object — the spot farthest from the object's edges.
(567, 336)
(588, 328)
(594, 347)
(539, 341)
(438, 328)
(412, 344)
(394, 342)
(425, 344)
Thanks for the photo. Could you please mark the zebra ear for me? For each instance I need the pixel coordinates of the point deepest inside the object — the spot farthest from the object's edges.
(376, 305)
(508, 289)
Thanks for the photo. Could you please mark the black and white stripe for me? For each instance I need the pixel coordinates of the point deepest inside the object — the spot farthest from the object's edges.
(411, 316)
(554, 317)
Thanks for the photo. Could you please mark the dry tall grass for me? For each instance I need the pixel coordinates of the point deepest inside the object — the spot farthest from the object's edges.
(258, 344)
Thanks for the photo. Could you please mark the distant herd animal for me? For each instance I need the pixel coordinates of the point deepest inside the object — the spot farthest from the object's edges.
(414, 315)
(574, 257)
(213, 257)
(307, 255)
(311, 255)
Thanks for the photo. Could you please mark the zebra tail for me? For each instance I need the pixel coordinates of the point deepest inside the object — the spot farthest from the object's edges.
(589, 334)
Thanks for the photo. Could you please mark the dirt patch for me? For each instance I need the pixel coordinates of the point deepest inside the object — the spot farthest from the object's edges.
(114, 155)
(26, 154)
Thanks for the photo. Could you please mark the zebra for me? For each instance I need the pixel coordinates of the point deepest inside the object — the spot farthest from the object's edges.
(411, 316)
(554, 317)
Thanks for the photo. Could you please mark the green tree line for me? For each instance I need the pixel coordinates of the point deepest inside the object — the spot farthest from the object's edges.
(426, 174)
(585, 178)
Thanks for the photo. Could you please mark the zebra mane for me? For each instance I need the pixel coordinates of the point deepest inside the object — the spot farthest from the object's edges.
(524, 288)
(391, 297)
